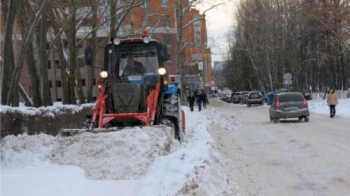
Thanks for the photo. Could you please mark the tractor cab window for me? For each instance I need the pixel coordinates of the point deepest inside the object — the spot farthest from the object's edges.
(139, 61)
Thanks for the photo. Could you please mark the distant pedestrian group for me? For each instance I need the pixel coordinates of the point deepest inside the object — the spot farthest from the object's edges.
(199, 97)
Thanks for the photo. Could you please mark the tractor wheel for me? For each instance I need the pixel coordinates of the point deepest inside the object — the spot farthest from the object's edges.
(171, 124)
(175, 131)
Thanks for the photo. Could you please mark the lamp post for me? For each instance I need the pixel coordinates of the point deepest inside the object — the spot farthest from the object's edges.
(179, 27)
(205, 70)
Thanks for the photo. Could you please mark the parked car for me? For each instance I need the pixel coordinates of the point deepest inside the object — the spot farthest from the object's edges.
(213, 95)
(237, 96)
(289, 105)
(225, 97)
(255, 97)
(244, 97)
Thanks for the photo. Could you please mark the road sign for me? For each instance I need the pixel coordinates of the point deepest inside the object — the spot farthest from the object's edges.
(190, 78)
(287, 79)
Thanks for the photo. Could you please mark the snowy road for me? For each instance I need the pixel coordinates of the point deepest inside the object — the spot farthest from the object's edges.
(289, 158)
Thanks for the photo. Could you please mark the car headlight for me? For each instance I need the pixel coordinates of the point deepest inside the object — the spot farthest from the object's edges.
(162, 71)
(103, 74)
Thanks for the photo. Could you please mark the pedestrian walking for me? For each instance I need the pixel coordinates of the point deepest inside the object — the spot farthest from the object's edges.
(199, 98)
(332, 101)
(205, 100)
(191, 99)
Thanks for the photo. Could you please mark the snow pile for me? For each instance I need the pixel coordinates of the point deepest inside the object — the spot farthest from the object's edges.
(132, 162)
(223, 120)
(320, 106)
(48, 111)
(24, 150)
(122, 155)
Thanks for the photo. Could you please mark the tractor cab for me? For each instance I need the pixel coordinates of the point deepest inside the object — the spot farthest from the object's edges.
(137, 65)
(137, 61)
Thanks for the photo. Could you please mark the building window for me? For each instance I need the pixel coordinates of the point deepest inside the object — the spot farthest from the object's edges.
(83, 82)
(65, 43)
(146, 21)
(197, 33)
(106, 21)
(57, 64)
(48, 64)
(165, 3)
(30, 92)
(81, 62)
(167, 39)
(165, 21)
(145, 3)
(50, 84)
(58, 83)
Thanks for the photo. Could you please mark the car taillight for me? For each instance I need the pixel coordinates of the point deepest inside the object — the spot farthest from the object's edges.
(304, 101)
(278, 102)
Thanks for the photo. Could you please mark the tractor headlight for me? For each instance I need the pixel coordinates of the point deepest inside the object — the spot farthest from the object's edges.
(116, 41)
(103, 74)
(146, 40)
(162, 71)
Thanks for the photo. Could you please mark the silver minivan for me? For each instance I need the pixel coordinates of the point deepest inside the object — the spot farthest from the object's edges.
(289, 105)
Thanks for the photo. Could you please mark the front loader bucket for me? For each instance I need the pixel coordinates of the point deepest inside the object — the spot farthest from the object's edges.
(70, 132)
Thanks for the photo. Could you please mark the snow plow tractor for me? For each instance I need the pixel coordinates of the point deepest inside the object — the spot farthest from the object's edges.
(134, 90)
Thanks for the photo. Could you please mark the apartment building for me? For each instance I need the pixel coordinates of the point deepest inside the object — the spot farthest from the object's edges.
(159, 17)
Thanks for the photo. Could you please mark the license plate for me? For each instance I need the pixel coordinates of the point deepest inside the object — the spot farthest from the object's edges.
(291, 108)
(134, 77)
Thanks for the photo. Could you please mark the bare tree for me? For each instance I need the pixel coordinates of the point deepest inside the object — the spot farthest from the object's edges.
(12, 98)
(305, 38)
(9, 10)
(24, 23)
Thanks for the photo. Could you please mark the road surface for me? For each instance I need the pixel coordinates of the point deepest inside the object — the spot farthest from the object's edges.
(290, 158)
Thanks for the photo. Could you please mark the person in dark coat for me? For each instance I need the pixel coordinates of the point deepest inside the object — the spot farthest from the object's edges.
(133, 67)
(191, 99)
(199, 98)
(205, 99)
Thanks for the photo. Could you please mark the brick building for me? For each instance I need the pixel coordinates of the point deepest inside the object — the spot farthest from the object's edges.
(159, 17)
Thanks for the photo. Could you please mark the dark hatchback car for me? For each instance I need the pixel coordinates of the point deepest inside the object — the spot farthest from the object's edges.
(255, 97)
(289, 105)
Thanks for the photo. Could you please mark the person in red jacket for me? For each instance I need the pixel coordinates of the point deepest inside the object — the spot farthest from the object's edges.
(332, 101)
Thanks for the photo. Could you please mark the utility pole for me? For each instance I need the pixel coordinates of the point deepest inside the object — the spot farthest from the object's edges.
(179, 25)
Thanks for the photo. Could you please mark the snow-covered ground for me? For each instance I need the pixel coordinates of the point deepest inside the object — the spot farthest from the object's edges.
(131, 162)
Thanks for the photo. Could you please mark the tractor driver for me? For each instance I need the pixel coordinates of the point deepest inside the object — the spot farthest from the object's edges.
(133, 67)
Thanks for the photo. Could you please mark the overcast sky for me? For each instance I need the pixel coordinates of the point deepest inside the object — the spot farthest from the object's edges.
(219, 22)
